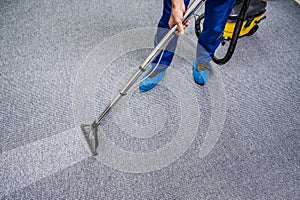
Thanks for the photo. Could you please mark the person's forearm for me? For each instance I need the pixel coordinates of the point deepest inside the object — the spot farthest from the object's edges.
(177, 4)
(178, 10)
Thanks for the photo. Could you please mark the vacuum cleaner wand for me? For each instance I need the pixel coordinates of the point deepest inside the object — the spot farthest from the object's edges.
(90, 131)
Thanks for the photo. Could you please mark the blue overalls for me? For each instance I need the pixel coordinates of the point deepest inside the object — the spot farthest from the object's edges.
(216, 15)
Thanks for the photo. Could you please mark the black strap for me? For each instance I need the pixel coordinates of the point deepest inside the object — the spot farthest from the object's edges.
(142, 69)
(122, 94)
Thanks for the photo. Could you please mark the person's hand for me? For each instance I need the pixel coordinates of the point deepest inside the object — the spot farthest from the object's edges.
(178, 10)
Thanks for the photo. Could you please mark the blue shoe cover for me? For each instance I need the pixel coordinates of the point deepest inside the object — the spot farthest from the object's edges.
(149, 83)
(200, 77)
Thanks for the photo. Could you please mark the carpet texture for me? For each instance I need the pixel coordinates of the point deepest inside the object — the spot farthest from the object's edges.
(238, 137)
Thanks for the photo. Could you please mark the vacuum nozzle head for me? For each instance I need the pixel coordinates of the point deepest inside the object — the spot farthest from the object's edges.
(91, 136)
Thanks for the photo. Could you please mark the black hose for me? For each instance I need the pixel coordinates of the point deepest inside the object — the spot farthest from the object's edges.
(235, 35)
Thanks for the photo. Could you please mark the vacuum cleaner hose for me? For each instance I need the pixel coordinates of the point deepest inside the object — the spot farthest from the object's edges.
(235, 36)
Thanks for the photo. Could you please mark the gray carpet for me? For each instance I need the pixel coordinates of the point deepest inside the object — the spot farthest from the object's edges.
(235, 138)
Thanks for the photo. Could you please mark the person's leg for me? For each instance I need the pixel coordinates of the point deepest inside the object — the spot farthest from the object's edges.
(216, 15)
(162, 29)
(164, 59)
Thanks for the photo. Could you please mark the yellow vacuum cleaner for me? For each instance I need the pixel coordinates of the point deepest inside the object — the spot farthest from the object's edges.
(253, 15)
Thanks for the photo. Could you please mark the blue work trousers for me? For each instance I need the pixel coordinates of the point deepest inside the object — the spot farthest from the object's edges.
(216, 15)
